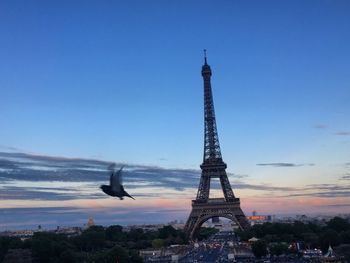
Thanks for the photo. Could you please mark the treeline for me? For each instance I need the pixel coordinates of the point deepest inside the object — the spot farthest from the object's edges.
(278, 236)
(95, 244)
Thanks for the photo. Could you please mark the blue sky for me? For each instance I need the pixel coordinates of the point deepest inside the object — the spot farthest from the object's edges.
(120, 81)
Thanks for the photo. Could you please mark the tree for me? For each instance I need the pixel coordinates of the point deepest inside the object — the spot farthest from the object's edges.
(115, 233)
(179, 240)
(299, 228)
(330, 237)
(157, 243)
(205, 232)
(42, 247)
(311, 239)
(135, 258)
(136, 234)
(259, 248)
(244, 235)
(91, 239)
(338, 224)
(277, 249)
(18, 255)
(68, 256)
(118, 254)
(4, 246)
(167, 231)
(343, 250)
(345, 237)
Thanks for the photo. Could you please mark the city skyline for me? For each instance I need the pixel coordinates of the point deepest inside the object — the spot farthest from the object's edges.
(84, 85)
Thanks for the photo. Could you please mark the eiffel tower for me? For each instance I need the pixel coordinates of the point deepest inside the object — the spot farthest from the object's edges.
(204, 208)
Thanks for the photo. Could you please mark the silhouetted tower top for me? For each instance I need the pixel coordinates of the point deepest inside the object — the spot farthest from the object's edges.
(212, 151)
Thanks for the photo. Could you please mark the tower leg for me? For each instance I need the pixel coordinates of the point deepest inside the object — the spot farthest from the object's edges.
(204, 188)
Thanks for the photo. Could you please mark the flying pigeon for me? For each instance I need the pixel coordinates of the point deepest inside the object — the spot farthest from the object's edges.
(115, 187)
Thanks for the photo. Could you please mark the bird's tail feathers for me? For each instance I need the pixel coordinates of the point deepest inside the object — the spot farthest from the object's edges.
(129, 195)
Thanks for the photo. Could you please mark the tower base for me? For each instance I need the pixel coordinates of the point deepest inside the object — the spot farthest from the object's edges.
(214, 207)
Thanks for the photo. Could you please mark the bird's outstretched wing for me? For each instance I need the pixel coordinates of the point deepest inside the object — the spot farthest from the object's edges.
(111, 169)
(116, 180)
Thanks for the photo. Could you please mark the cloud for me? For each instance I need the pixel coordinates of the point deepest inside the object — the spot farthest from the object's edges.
(20, 166)
(9, 148)
(35, 171)
(338, 205)
(239, 176)
(328, 187)
(318, 190)
(330, 194)
(261, 187)
(322, 190)
(38, 178)
(46, 193)
(343, 133)
(320, 126)
(285, 164)
(345, 177)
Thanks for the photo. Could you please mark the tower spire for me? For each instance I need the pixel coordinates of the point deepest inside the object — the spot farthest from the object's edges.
(212, 152)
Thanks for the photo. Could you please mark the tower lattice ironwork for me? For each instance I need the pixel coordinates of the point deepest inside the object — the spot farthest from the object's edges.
(203, 207)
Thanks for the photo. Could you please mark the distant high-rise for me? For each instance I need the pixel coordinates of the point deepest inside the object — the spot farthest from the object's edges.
(90, 222)
(215, 219)
(204, 208)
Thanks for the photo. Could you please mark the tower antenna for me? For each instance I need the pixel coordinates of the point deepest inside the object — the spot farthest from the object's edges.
(205, 56)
